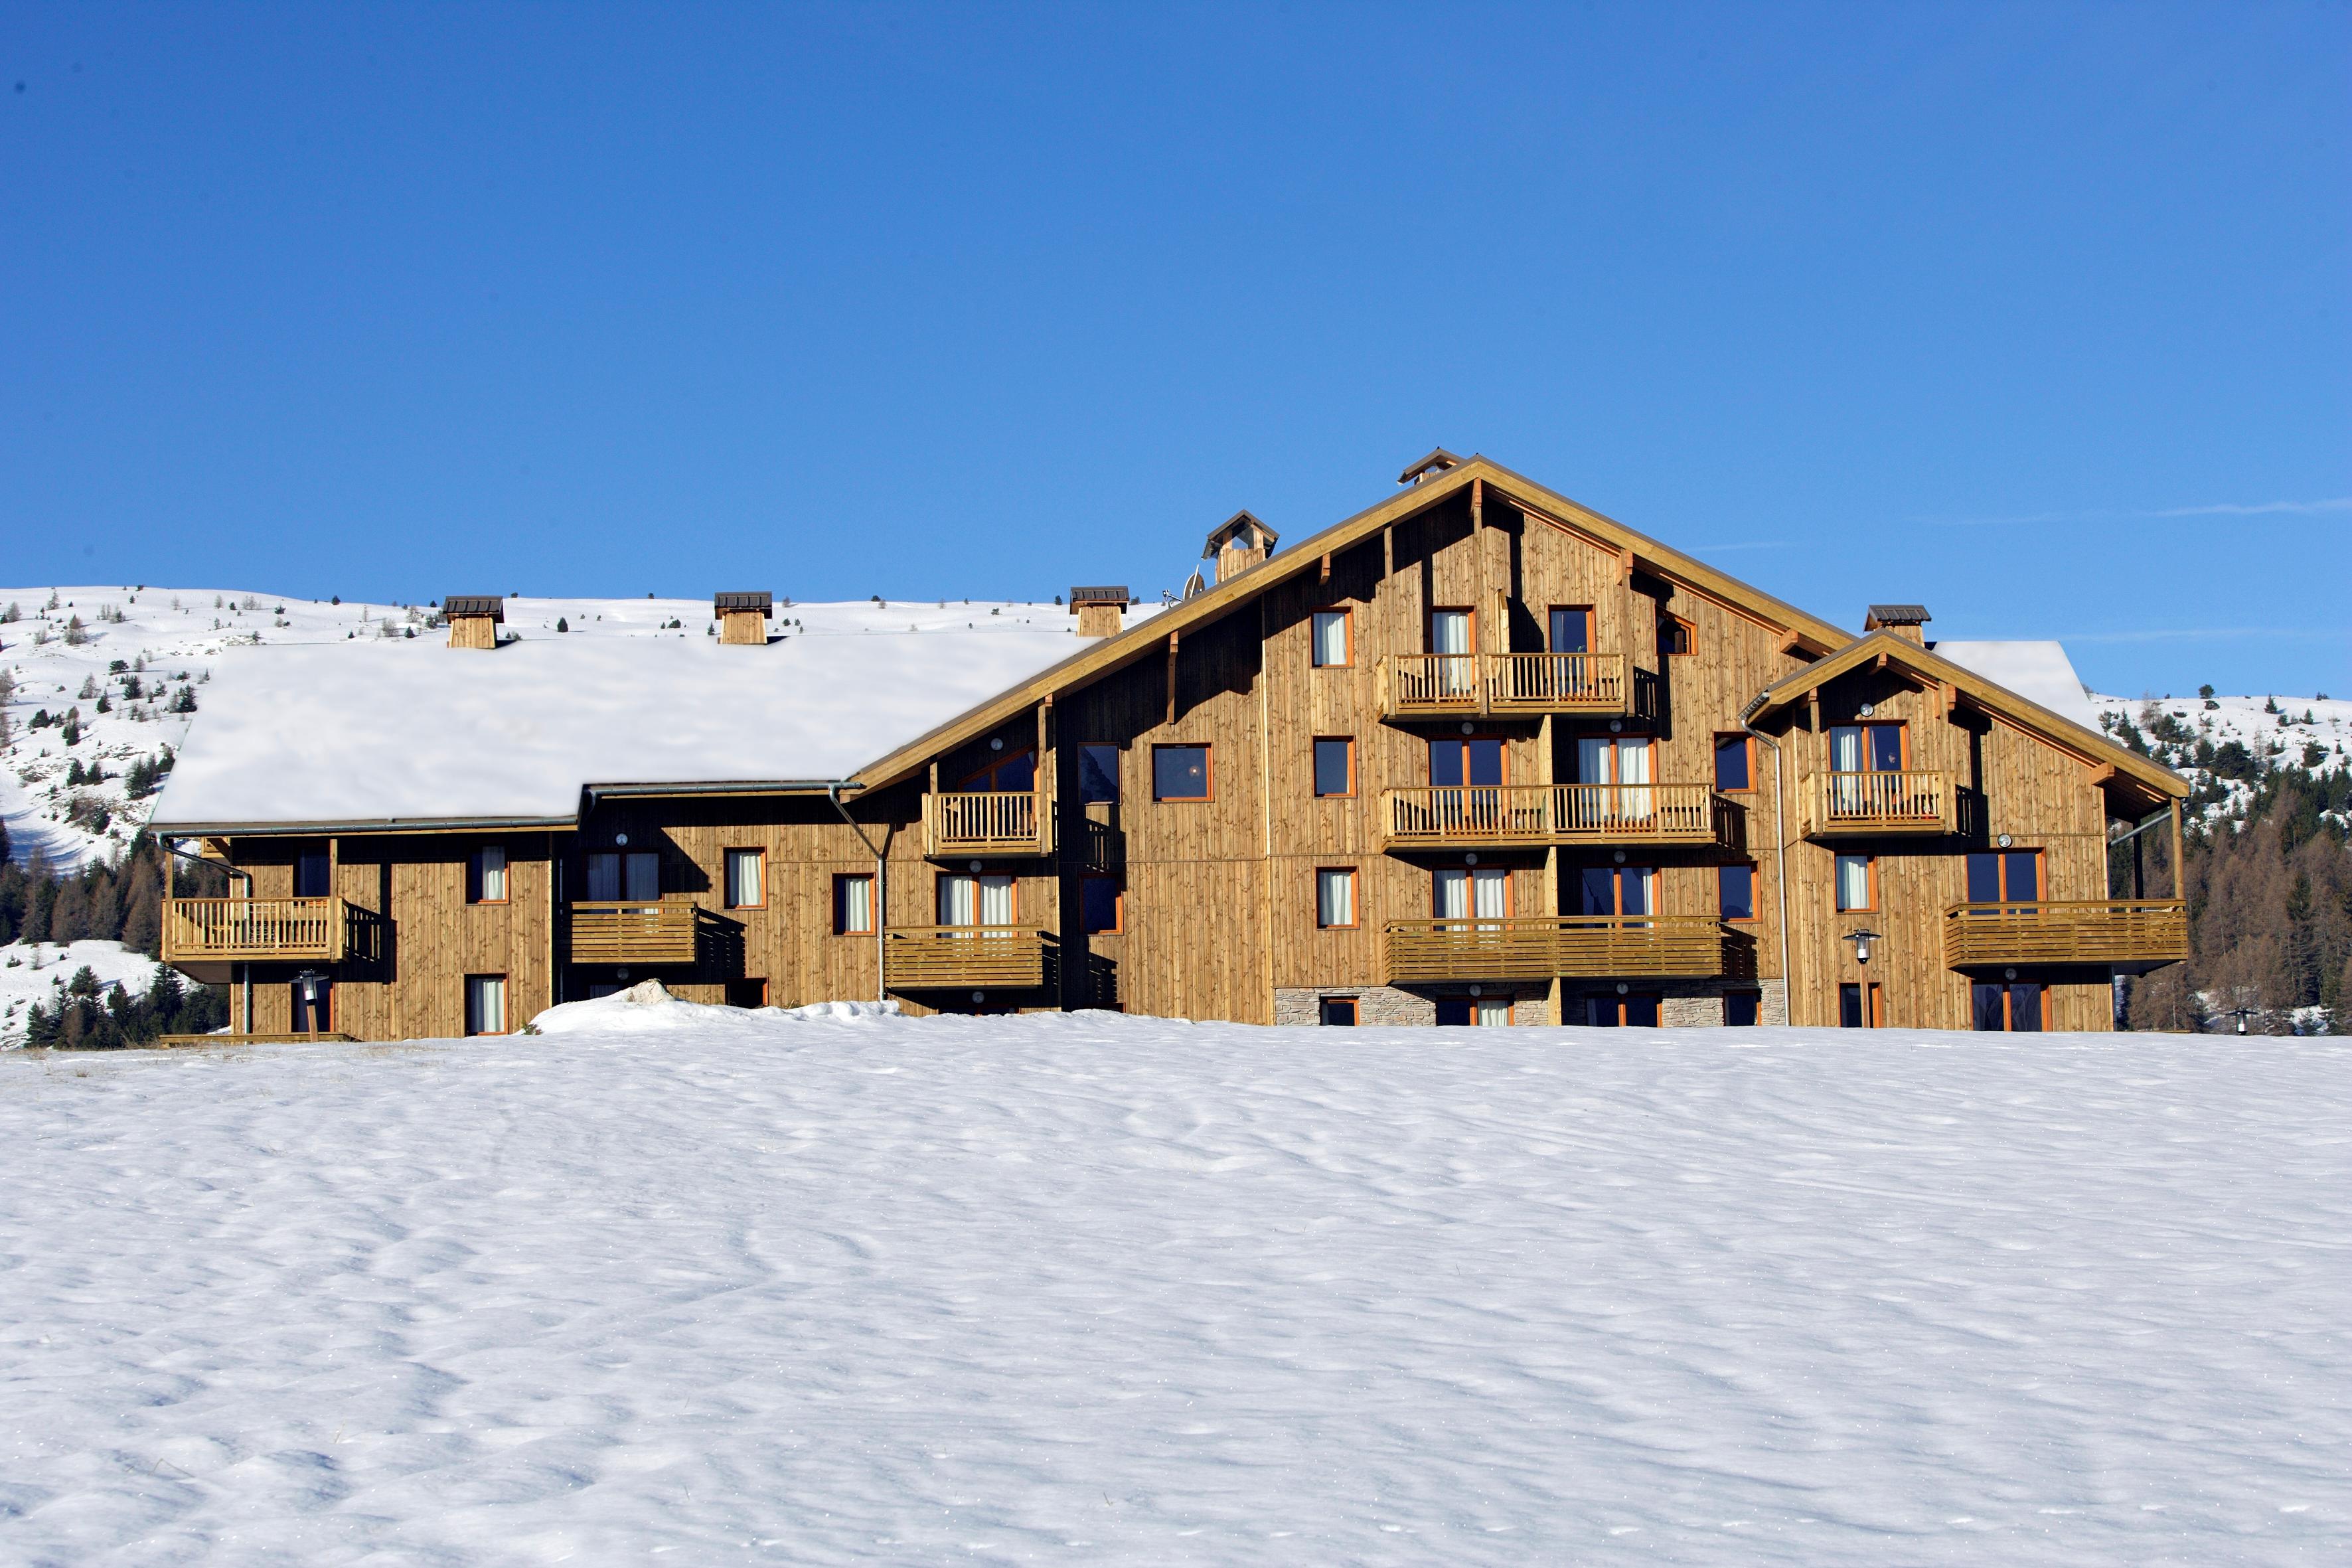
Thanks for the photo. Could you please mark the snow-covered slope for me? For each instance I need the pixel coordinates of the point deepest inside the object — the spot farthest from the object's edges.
(35, 972)
(170, 638)
(1091, 1289)
(2312, 732)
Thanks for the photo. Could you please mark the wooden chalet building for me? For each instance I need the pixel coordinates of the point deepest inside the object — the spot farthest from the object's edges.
(1477, 754)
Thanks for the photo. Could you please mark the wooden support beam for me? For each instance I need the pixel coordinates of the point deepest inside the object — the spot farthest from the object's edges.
(1625, 565)
(1880, 664)
(1324, 575)
(2179, 866)
(1477, 505)
(1388, 551)
(1171, 676)
(2102, 777)
(1813, 703)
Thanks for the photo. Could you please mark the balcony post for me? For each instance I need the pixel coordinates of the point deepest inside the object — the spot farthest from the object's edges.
(2179, 866)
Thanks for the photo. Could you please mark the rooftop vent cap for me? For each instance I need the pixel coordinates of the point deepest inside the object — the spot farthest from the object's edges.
(743, 618)
(1902, 620)
(1437, 462)
(1238, 543)
(1101, 612)
(474, 620)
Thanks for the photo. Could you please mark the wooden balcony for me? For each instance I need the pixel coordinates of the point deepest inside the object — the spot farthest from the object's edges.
(646, 932)
(1916, 800)
(1445, 685)
(1433, 815)
(983, 958)
(260, 930)
(985, 823)
(1585, 947)
(2134, 933)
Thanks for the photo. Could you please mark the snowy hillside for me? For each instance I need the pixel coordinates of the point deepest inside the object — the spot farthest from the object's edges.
(1092, 1289)
(147, 653)
(2221, 742)
(35, 972)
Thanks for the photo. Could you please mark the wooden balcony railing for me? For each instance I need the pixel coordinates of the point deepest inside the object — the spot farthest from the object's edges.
(1556, 814)
(998, 958)
(657, 930)
(985, 823)
(301, 931)
(1543, 947)
(1912, 801)
(1414, 684)
(2146, 932)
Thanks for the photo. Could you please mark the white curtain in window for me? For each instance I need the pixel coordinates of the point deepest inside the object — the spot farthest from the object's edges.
(1853, 883)
(1330, 637)
(745, 881)
(1481, 894)
(856, 904)
(494, 874)
(996, 901)
(604, 879)
(1491, 1014)
(958, 900)
(1335, 898)
(1845, 748)
(485, 1005)
(1451, 898)
(643, 876)
(1449, 631)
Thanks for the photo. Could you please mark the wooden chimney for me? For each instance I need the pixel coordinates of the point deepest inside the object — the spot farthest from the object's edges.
(1101, 612)
(1238, 543)
(743, 618)
(1908, 622)
(474, 620)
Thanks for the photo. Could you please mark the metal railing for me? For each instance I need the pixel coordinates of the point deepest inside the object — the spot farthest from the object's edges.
(1418, 683)
(1555, 813)
(1545, 946)
(2149, 932)
(1914, 800)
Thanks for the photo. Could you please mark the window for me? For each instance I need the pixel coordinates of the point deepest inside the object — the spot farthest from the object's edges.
(1617, 891)
(747, 879)
(635, 876)
(1335, 899)
(968, 900)
(1635, 1012)
(1867, 748)
(1742, 1009)
(1334, 639)
(486, 881)
(1098, 773)
(1102, 905)
(1014, 772)
(1337, 1012)
(313, 1004)
(1179, 773)
(2005, 877)
(1572, 628)
(1857, 883)
(2018, 1007)
(1621, 764)
(1860, 1005)
(1335, 766)
(747, 992)
(1481, 893)
(485, 1003)
(1474, 1011)
(852, 906)
(1734, 762)
(1473, 760)
(1454, 631)
(1735, 892)
(1675, 637)
(312, 876)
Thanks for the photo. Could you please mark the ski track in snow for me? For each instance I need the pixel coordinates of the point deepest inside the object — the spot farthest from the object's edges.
(1095, 1290)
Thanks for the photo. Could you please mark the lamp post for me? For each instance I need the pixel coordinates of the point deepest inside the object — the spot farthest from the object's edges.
(1862, 941)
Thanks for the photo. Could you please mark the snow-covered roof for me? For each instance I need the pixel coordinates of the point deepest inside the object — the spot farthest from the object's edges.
(2039, 671)
(375, 731)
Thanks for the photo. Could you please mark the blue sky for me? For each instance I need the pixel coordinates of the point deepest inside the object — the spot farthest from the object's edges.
(2037, 314)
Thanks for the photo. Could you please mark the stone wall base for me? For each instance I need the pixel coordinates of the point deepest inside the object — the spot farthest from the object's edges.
(1683, 1005)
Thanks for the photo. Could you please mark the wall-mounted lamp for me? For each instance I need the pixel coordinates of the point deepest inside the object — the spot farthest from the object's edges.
(1616, 726)
(2004, 841)
(1471, 858)
(1620, 856)
(1866, 710)
(1862, 941)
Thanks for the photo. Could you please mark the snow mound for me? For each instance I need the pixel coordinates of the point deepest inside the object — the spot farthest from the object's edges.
(648, 1008)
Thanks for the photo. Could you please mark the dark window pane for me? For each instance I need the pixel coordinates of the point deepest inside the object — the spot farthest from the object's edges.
(1453, 1011)
(1597, 889)
(1641, 1012)
(1984, 1007)
(1850, 1006)
(1736, 885)
(1445, 762)
(1340, 1012)
(1486, 759)
(310, 874)
(1016, 775)
(1571, 631)
(1984, 878)
(2025, 1009)
(1731, 762)
(1099, 898)
(1097, 773)
(1886, 748)
(1331, 758)
(1179, 773)
(1741, 1008)
(1601, 1012)
(2023, 876)
(1633, 892)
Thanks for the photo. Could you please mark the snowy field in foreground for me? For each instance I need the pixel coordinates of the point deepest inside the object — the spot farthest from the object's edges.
(1096, 1289)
